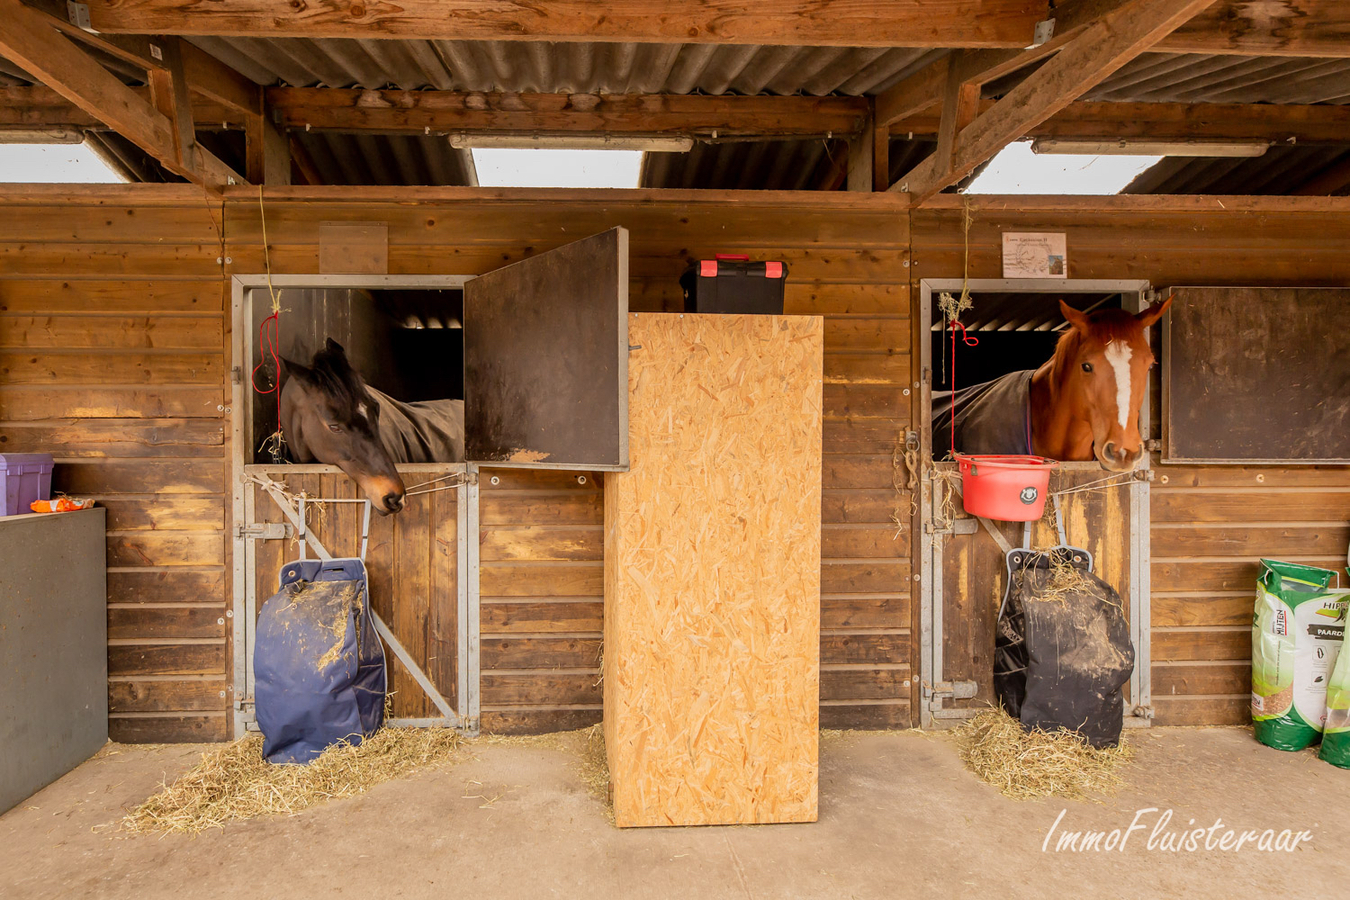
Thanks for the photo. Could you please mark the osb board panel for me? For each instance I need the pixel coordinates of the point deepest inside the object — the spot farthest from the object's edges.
(974, 574)
(712, 574)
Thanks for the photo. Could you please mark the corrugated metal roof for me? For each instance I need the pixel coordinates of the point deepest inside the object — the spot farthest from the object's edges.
(749, 70)
(1282, 170)
(566, 67)
(714, 69)
(386, 159)
(1193, 78)
(810, 165)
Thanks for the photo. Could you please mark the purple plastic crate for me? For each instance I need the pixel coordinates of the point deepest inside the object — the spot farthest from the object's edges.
(24, 477)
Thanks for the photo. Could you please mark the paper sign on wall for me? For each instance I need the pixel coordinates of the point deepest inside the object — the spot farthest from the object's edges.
(1034, 255)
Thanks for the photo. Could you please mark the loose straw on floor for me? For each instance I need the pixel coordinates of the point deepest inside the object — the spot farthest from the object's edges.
(234, 781)
(1024, 764)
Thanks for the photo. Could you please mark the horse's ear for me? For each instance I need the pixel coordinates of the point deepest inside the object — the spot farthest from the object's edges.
(1150, 316)
(1074, 317)
(293, 369)
(334, 347)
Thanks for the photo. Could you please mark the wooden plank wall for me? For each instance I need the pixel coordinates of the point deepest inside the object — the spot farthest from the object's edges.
(541, 539)
(112, 358)
(1209, 524)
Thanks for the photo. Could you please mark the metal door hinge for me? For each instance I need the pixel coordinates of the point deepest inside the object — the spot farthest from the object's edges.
(265, 531)
(236, 375)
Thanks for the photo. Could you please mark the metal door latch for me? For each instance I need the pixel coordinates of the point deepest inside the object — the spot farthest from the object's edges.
(955, 690)
(265, 531)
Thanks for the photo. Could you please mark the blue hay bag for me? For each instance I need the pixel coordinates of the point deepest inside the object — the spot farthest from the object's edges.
(318, 664)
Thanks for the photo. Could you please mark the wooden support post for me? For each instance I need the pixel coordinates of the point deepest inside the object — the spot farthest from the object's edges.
(1101, 48)
(881, 159)
(860, 158)
(960, 105)
(169, 93)
(268, 152)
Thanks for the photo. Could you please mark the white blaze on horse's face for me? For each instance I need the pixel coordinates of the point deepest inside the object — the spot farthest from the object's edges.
(1118, 354)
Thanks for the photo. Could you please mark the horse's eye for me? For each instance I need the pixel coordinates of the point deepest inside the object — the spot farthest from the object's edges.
(1087, 367)
(336, 429)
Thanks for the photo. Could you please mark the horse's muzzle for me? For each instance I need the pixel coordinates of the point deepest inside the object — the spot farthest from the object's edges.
(392, 503)
(1115, 458)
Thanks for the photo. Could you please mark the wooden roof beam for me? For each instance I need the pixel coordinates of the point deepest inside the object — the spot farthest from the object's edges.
(40, 107)
(1098, 50)
(1092, 120)
(1318, 28)
(925, 89)
(1242, 27)
(880, 23)
(206, 75)
(337, 109)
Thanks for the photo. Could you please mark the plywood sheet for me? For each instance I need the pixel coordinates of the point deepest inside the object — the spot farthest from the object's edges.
(712, 574)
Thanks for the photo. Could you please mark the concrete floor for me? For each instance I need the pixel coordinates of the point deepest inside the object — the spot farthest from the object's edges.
(899, 817)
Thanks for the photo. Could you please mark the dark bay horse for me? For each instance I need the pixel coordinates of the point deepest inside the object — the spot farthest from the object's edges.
(1082, 404)
(330, 415)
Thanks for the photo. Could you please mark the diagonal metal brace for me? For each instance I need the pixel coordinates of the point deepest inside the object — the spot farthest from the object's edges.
(401, 652)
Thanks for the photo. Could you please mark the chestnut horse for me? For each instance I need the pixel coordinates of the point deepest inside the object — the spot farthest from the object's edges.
(1082, 404)
(330, 415)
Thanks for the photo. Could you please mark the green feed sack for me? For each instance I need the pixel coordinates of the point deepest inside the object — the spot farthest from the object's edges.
(1336, 736)
(1296, 636)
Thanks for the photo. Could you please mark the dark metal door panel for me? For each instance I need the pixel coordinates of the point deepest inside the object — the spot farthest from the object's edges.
(1256, 376)
(546, 359)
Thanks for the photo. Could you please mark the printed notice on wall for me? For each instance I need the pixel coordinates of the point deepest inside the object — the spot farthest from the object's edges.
(1034, 255)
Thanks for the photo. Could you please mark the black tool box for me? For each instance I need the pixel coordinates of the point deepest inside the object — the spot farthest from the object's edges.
(734, 284)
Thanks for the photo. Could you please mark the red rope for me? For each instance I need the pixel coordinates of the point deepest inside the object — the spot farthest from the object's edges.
(970, 342)
(269, 340)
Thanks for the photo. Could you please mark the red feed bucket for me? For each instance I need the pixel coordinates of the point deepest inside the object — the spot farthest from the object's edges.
(1006, 488)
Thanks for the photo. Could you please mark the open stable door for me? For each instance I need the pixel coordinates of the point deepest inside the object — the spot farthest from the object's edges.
(546, 359)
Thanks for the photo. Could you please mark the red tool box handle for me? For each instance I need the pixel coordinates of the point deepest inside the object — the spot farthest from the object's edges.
(732, 257)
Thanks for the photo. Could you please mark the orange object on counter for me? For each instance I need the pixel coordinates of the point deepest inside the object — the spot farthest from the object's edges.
(61, 504)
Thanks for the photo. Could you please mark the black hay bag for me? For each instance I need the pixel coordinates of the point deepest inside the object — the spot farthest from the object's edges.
(1062, 651)
(318, 664)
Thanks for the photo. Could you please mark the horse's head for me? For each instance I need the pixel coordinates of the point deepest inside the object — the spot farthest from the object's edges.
(1101, 367)
(329, 417)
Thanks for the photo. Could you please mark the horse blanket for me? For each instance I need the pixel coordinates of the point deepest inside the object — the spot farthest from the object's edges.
(991, 418)
(423, 432)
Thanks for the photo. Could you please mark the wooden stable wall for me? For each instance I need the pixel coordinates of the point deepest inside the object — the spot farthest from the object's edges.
(111, 302)
(112, 355)
(1209, 523)
(542, 558)
(112, 358)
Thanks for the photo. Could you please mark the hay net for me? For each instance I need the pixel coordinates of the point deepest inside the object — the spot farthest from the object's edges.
(1062, 648)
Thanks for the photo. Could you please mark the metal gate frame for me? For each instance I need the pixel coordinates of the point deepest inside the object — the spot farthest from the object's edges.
(244, 604)
(934, 688)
